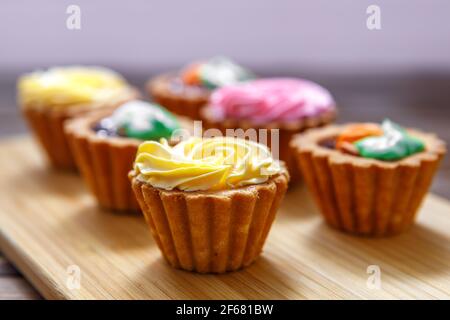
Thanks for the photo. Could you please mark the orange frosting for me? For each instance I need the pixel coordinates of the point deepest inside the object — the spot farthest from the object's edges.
(191, 75)
(357, 132)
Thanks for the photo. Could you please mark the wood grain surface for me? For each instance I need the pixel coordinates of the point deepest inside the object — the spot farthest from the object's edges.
(49, 222)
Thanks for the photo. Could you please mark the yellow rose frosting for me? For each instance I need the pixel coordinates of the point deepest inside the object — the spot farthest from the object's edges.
(62, 86)
(205, 164)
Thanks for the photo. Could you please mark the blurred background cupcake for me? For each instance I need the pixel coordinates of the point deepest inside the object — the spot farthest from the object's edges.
(104, 145)
(188, 90)
(48, 98)
(270, 111)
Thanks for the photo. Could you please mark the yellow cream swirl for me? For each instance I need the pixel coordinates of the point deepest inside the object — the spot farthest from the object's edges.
(63, 86)
(205, 164)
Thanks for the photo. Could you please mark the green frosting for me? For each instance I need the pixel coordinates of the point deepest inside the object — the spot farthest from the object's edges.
(144, 121)
(220, 71)
(394, 144)
(156, 130)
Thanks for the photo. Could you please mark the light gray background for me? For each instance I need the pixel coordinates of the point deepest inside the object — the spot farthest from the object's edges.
(142, 36)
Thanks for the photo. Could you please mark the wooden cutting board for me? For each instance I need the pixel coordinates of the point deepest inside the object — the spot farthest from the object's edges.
(52, 230)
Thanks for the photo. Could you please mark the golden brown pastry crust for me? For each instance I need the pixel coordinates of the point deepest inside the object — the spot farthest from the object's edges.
(211, 231)
(47, 124)
(366, 196)
(184, 103)
(104, 162)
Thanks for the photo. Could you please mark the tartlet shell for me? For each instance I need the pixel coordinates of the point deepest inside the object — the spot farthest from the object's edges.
(211, 231)
(47, 125)
(104, 162)
(183, 104)
(366, 196)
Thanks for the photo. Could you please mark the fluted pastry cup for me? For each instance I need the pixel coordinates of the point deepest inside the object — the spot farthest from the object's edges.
(47, 125)
(366, 196)
(211, 231)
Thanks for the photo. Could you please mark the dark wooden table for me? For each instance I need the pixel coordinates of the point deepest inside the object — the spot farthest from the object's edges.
(420, 100)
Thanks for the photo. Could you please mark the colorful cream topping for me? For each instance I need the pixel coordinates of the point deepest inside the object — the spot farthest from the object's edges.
(214, 73)
(140, 120)
(268, 100)
(389, 142)
(62, 86)
(205, 164)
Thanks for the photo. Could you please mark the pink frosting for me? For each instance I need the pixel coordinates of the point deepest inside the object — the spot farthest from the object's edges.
(273, 99)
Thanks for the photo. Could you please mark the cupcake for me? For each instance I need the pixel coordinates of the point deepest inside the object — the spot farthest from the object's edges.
(48, 98)
(368, 179)
(104, 144)
(186, 92)
(275, 108)
(209, 202)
